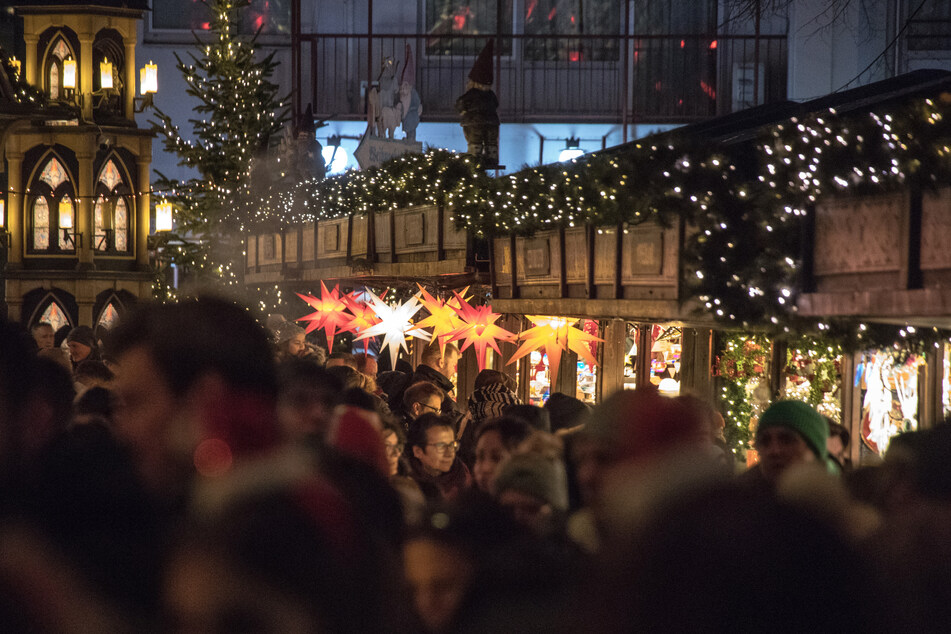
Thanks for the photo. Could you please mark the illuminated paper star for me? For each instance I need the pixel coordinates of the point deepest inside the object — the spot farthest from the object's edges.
(330, 313)
(363, 315)
(479, 329)
(442, 320)
(555, 334)
(394, 325)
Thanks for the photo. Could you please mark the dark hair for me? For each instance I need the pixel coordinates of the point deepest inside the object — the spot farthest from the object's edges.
(96, 401)
(434, 352)
(363, 360)
(302, 379)
(838, 431)
(93, 369)
(198, 336)
(531, 414)
(419, 392)
(347, 376)
(490, 376)
(348, 359)
(511, 430)
(390, 425)
(41, 324)
(419, 426)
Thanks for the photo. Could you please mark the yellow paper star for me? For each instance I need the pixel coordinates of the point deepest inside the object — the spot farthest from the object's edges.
(555, 334)
(442, 320)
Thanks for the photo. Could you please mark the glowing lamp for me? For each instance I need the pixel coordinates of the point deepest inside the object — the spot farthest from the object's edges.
(16, 65)
(69, 73)
(572, 150)
(105, 74)
(163, 216)
(3, 205)
(148, 78)
(65, 213)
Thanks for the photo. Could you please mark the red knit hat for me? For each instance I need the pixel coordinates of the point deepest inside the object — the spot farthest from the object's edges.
(482, 69)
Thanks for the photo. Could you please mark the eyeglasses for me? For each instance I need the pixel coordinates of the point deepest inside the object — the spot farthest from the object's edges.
(429, 407)
(443, 446)
(393, 449)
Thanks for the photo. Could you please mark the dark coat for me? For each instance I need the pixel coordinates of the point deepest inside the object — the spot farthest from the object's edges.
(478, 108)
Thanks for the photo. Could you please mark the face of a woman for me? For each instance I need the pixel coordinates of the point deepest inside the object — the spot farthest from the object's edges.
(489, 453)
(393, 451)
(296, 345)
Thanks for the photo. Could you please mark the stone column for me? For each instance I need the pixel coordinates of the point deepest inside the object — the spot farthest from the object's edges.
(143, 209)
(14, 210)
(86, 74)
(128, 76)
(84, 207)
(31, 65)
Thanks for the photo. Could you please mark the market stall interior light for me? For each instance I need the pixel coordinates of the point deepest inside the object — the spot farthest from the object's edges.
(163, 216)
(105, 74)
(16, 65)
(335, 156)
(3, 218)
(69, 73)
(65, 214)
(148, 79)
(572, 149)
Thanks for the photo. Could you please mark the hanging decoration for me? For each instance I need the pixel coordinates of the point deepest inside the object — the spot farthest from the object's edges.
(555, 335)
(395, 325)
(443, 320)
(362, 313)
(330, 313)
(478, 328)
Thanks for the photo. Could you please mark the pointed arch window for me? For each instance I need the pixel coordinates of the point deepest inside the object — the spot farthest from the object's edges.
(108, 316)
(112, 210)
(50, 186)
(59, 52)
(55, 316)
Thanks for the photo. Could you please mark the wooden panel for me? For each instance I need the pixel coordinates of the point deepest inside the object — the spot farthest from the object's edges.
(290, 246)
(453, 238)
(332, 238)
(605, 254)
(576, 256)
(269, 249)
(358, 241)
(936, 230)
(252, 257)
(416, 229)
(645, 252)
(307, 244)
(859, 235)
(537, 257)
(503, 254)
(382, 229)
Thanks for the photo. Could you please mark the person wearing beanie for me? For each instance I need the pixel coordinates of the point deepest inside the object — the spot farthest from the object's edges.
(82, 345)
(289, 339)
(478, 107)
(789, 433)
(534, 488)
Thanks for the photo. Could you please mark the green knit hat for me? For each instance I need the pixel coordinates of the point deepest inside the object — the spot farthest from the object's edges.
(802, 419)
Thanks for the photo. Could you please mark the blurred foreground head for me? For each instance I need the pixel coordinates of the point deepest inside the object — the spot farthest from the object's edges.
(196, 386)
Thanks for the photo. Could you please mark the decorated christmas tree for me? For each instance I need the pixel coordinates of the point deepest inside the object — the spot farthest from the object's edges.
(239, 110)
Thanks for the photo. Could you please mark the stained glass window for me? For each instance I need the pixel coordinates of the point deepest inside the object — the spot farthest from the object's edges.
(53, 174)
(54, 316)
(61, 50)
(54, 81)
(109, 316)
(110, 176)
(99, 219)
(41, 224)
(122, 225)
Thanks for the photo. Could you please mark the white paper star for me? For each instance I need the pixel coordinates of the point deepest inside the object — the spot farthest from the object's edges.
(395, 325)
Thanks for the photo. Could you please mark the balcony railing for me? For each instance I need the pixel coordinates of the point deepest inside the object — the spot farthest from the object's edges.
(614, 79)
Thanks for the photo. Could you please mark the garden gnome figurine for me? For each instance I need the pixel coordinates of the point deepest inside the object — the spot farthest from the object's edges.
(310, 160)
(479, 109)
(409, 98)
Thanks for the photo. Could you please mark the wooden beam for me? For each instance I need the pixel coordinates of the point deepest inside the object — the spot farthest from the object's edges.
(613, 354)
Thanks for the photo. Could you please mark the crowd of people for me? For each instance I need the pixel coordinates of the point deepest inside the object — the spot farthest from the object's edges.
(192, 470)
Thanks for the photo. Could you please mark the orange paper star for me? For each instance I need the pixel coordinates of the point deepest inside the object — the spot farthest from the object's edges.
(479, 329)
(363, 315)
(555, 334)
(330, 313)
(442, 321)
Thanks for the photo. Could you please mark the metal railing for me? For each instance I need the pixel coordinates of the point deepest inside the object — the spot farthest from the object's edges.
(617, 79)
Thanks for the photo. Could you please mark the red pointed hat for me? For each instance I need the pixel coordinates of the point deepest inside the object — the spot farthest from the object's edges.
(409, 68)
(482, 69)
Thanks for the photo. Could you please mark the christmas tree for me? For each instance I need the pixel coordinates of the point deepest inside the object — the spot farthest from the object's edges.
(239, 110)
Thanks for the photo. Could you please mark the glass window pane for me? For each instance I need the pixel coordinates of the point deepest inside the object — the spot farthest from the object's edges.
(61, 50)
(99, 220)
(110, 175)
(122, 225)
(889, 398)
(930, 29)
(54, 316)
(54, 81)
(445, 18)
(270, 16)
(41, 224)
(66, 208)
(108, 317)
(53, 174)
(556, 19)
